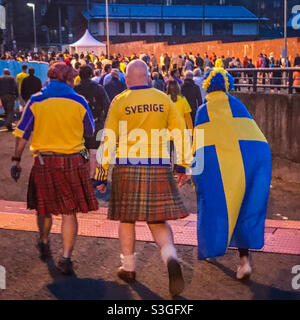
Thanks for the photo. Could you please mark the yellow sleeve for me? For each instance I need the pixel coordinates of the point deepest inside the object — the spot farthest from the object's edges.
(77, 80)
(181, 137)
(187, 108)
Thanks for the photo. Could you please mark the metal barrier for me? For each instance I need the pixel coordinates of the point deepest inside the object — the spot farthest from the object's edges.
(265, 78)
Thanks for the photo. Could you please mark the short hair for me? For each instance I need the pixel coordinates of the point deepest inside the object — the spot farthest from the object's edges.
(85, 72)
(172, 73)
(115, 64)
(107, 67)
(197, 72)
(24, 67)
(6, 72)
(77, 65)
(115, 73)
(31, 71)
(155, 75)
(97, 72)
(189, 74)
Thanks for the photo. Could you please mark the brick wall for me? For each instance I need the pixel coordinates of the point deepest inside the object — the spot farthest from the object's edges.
(238, 49)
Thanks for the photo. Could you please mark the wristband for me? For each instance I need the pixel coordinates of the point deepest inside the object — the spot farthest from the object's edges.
(18, 159)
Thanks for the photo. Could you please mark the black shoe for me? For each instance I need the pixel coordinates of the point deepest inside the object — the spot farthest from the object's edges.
(45, 251)
(10, 128)
(176, 282)
(127, 276)
(65, 266)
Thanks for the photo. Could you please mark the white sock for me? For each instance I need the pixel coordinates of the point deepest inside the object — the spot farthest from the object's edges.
(128, 262)
(168, 252)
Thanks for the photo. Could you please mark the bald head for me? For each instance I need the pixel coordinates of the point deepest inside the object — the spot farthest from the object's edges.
(137, 73)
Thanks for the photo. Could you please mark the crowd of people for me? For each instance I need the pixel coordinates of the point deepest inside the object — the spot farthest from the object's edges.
(64, 119)
(180, 74)
(85, 94)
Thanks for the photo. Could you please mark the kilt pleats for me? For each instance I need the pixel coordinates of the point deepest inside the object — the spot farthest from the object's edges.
(145, 193)
(61, 186)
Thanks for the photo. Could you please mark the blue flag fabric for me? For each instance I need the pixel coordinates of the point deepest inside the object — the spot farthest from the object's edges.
(233, 189)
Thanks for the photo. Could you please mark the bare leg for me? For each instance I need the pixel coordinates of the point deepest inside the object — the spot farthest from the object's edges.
(127, 238)
(127, 242)
(163, 236)
(69, 229)
(244, 269)
(44, 225)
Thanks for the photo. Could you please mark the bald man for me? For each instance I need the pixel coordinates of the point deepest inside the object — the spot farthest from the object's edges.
(143, 185)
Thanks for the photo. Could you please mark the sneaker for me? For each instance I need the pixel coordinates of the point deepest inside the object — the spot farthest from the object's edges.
(65, 266)
(176, 282)
(127, 276)
(44, 248)
(244, 271)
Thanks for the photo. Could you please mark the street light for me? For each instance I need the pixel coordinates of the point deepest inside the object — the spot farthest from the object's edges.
(107, 31)
(32, 5)
(285, 32)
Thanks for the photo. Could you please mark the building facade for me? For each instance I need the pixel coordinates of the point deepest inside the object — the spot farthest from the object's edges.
(172, 23)
(64, 21)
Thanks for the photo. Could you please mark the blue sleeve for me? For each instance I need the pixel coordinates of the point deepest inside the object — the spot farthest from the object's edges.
(26, 124)
(88, 122)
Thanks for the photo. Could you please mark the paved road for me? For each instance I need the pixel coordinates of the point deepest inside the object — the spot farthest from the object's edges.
(97, 259)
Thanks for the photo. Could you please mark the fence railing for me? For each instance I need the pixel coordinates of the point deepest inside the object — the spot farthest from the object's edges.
(264, 79)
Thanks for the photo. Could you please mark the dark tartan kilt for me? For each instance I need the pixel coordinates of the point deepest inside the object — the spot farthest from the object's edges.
(144, 193)
(61, 186)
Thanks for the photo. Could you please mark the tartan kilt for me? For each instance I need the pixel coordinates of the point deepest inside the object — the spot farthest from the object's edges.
(145, 193)
(61, 186)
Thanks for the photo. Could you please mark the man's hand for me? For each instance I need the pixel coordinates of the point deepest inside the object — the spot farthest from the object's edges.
(15, 170)
(102, 188)
(182, 179)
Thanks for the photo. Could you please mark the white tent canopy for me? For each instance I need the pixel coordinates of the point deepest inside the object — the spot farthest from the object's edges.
(88, 43)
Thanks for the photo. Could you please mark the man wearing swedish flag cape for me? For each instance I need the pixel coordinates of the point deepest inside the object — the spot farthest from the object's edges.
(233, 189)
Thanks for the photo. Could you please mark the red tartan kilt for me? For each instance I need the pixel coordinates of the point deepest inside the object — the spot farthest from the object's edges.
(145, 193)
(61, 186)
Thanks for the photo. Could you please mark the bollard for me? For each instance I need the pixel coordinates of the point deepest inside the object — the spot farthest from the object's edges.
(2, 278)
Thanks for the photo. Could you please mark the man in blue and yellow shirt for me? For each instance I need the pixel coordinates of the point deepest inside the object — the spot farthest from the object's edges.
(57, 118)
(143, 186)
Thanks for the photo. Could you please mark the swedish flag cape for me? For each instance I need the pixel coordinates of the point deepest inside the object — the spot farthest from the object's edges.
(233, 187)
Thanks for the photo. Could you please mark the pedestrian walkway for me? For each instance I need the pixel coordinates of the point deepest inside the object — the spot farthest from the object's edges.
(280, 236)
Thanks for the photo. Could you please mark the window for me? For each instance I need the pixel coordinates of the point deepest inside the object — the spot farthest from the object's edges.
(177, 29)
(222, 28)
(133, 27)
(143, 27)
(121, 27)
(193, 28)
(161, 28)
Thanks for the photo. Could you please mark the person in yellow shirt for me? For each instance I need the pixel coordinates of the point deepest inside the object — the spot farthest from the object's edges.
(77, 79)
(20, 77)
(182, 105)
(143, 185)
(58, 120)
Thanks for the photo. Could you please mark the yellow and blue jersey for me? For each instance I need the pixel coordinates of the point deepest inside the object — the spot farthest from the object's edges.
(58, 118)
(140, 119)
